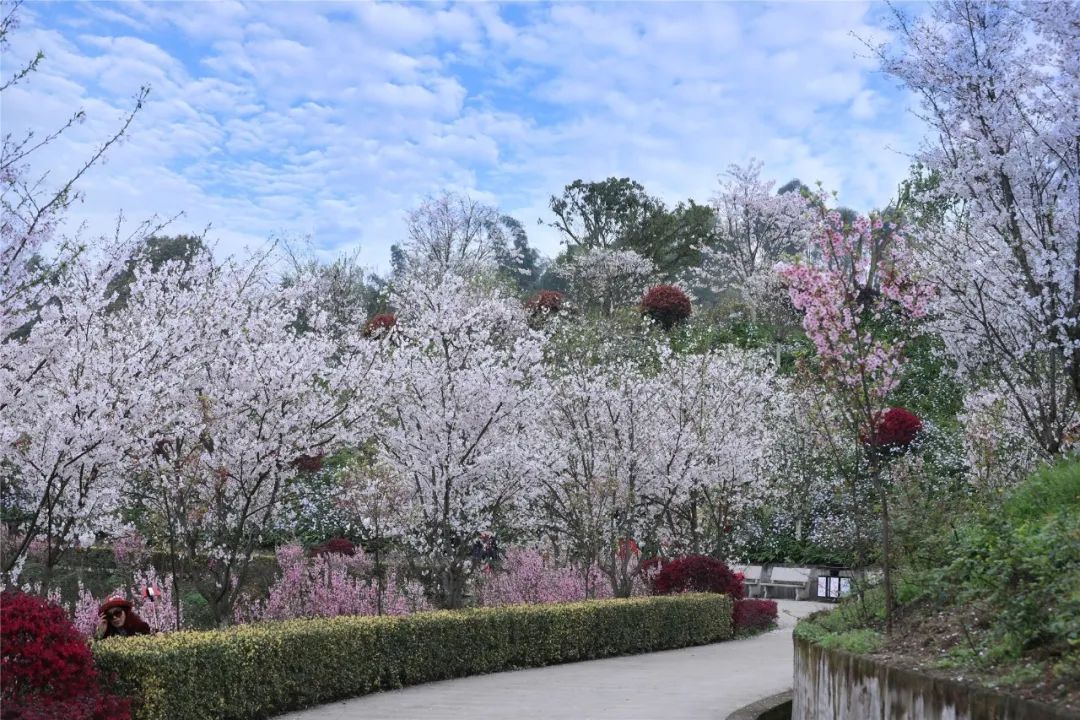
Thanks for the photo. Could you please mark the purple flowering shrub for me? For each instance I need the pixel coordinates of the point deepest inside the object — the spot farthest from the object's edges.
(328, 584)
(525, 576)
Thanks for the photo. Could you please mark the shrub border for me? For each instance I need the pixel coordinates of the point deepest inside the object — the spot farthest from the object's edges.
(254, 671)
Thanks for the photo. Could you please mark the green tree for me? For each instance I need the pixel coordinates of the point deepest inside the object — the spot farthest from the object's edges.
(618, 214)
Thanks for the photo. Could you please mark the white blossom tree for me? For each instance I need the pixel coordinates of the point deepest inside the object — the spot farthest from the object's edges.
(61, 425)
(226, 405)
(999, 85)
(461, 390)
(714, 432)
(648, 454)
(32, 205)
(605, 278)
(755, 228)
(454, 233)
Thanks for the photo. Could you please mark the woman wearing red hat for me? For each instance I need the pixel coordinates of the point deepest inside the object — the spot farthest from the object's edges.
(117, 618)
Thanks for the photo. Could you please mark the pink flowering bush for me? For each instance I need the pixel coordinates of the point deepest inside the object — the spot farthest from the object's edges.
(525, 576)
(130, 551)
(328, 585)
(160, 614)
(85, 614)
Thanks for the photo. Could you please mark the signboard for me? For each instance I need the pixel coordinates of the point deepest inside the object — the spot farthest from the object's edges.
(833, 587)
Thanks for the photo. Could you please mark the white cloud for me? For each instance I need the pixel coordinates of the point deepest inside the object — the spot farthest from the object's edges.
(332, 120)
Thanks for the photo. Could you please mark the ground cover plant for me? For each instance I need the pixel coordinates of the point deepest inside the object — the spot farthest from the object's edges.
(1003, 608)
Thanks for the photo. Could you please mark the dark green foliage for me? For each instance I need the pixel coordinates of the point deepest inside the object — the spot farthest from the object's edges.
(618, 213)
(1023, 563)
(1007, 573)
(519, 262)
(260, 670)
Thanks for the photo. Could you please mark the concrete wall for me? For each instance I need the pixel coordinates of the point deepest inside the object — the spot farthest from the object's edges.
(835, 685)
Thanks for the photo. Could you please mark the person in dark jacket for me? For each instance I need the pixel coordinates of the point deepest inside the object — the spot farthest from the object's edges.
(116, 618)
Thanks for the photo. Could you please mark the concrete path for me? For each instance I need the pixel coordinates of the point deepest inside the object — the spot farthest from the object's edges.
(698, 683)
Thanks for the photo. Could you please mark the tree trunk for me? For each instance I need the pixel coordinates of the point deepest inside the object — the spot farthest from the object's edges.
(886, 560)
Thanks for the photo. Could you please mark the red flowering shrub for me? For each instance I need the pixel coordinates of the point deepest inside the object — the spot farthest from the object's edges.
(335, 546)
(46, 669)
(696, 573)
(895, 429)
(753, 615)
(667, 305)
(379, 324)
(545, 301)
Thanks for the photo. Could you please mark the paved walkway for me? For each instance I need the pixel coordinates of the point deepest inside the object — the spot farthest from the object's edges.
(698, 683)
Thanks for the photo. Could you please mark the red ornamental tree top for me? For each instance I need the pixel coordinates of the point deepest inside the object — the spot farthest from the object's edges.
(378, 324)
(550, 301)
(667, 305)
(896, 428)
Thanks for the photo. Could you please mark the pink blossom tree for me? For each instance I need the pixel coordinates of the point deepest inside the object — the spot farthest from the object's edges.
(855, 279)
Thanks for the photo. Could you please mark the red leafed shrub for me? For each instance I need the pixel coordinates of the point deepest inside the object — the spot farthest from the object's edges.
(696, 573)
(335, 546)
(667, 305)
(545, 301)
(895, 429)
(46, 668)
(379, 324)
(754, 615)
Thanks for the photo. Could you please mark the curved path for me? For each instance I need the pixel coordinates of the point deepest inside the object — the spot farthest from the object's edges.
(699, 683)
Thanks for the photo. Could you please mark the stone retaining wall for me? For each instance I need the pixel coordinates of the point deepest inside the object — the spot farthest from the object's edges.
(841, 686)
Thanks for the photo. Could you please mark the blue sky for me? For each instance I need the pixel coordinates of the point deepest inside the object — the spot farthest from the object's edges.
(331, 120)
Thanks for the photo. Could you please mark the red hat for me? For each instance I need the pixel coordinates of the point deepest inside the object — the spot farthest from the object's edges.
(115, 601)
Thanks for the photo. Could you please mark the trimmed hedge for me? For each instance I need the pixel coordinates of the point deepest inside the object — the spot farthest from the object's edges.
(254, 671)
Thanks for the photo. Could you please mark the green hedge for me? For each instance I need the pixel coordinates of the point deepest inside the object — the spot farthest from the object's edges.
(254, 671)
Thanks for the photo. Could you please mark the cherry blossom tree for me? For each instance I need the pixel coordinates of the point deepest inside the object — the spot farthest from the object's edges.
(720, 410)
(599, 482)
(461, 388)
(999, 85)
(224, 402)
(858, 279)
(756, 228)
(32, 205)
(639, 454)
(605, 279)
(61, 425)
(454, 233)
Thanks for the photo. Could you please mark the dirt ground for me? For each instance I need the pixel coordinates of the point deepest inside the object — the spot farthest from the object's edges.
(924, 640)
